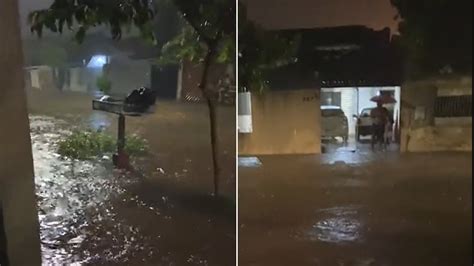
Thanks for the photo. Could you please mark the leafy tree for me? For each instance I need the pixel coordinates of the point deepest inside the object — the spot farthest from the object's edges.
(261, 51)
(104, 84)
(212, 23)
(436, 35)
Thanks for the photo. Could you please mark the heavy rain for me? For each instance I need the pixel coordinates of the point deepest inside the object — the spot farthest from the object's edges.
(149, 179)
(162, 213)
(394, 210)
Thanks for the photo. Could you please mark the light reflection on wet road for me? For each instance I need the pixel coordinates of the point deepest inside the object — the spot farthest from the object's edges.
(337, 209)
(160, 214)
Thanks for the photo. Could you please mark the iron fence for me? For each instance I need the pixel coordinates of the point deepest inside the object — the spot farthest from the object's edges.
(453, 106)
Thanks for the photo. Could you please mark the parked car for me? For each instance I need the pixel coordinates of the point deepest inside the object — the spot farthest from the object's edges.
(333, 123)
(364, 123)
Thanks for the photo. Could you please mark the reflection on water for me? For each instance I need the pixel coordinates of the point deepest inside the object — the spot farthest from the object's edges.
(99, 121)
(337, 225)
(160, 214)
(336, 229)
(404, 211)
(249, 162)
(73, 196)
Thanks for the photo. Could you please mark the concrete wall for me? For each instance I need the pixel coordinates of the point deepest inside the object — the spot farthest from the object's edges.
(78, 81)
(284, 122)
(127, 74)
(191, 77)
(420, 130)
(41, 78)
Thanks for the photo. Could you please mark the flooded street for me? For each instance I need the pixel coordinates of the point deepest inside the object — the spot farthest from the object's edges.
(356, 209)
(162, 213)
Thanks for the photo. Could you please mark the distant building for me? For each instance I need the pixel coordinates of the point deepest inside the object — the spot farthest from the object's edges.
(287, 117)
(79, 66)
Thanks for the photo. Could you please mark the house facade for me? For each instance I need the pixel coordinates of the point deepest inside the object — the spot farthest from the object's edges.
(348, 62)
(436, 115)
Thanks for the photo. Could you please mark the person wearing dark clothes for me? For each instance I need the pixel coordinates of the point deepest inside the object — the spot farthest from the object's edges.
(380, 116)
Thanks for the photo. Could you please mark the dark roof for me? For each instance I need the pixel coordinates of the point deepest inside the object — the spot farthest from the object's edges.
(294, 76)
(93, 44)
(342, 56)
(343, 35)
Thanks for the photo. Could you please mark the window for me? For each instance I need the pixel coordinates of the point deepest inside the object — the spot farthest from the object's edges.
(331, 112)
(331, 98)
(365, 112)
(453, 106)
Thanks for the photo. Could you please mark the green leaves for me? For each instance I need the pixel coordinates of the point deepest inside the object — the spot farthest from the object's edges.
(85, 145)
(187, 46)
(260, 52)
(80, 34)
(104, 84)
(115, 14)
(435, 34)
(210, 22)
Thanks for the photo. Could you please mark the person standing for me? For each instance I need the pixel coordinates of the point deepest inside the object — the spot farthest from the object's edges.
(380, 117)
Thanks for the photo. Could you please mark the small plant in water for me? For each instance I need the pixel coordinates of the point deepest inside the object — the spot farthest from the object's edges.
(135, 145)
(104, 84)
(85, 145)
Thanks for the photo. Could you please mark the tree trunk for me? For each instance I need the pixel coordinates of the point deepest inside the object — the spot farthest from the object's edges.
(17, 188)
(3, 241)
(212, 106)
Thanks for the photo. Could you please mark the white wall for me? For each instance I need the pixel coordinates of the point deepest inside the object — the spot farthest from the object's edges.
(127, 74)
(283, 122)
(348, 104)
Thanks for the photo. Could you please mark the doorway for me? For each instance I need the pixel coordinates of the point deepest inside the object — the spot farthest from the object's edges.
(345, 117)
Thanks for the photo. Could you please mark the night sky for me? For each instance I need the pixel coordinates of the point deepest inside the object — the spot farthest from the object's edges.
(281, 14)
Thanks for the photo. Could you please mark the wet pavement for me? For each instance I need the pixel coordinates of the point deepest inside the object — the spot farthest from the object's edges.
(356, 208)
(162, 213)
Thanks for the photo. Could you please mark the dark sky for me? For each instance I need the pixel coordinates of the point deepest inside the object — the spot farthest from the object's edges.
(30, 5)
(27, 6)
(280, 14)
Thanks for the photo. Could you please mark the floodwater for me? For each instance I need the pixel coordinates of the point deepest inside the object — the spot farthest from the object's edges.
(162, 213)
(356, 208)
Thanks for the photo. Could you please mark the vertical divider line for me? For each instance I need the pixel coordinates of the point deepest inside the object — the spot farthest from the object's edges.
(236, 133)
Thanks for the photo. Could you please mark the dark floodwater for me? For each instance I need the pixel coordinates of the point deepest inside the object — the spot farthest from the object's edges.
(376, 209)
(160, 214)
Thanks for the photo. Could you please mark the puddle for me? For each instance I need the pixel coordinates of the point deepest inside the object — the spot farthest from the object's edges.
(249, 162)
(336, 225)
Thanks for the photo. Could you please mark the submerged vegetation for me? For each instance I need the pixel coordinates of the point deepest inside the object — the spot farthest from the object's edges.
(104, 84)
(84, 145)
